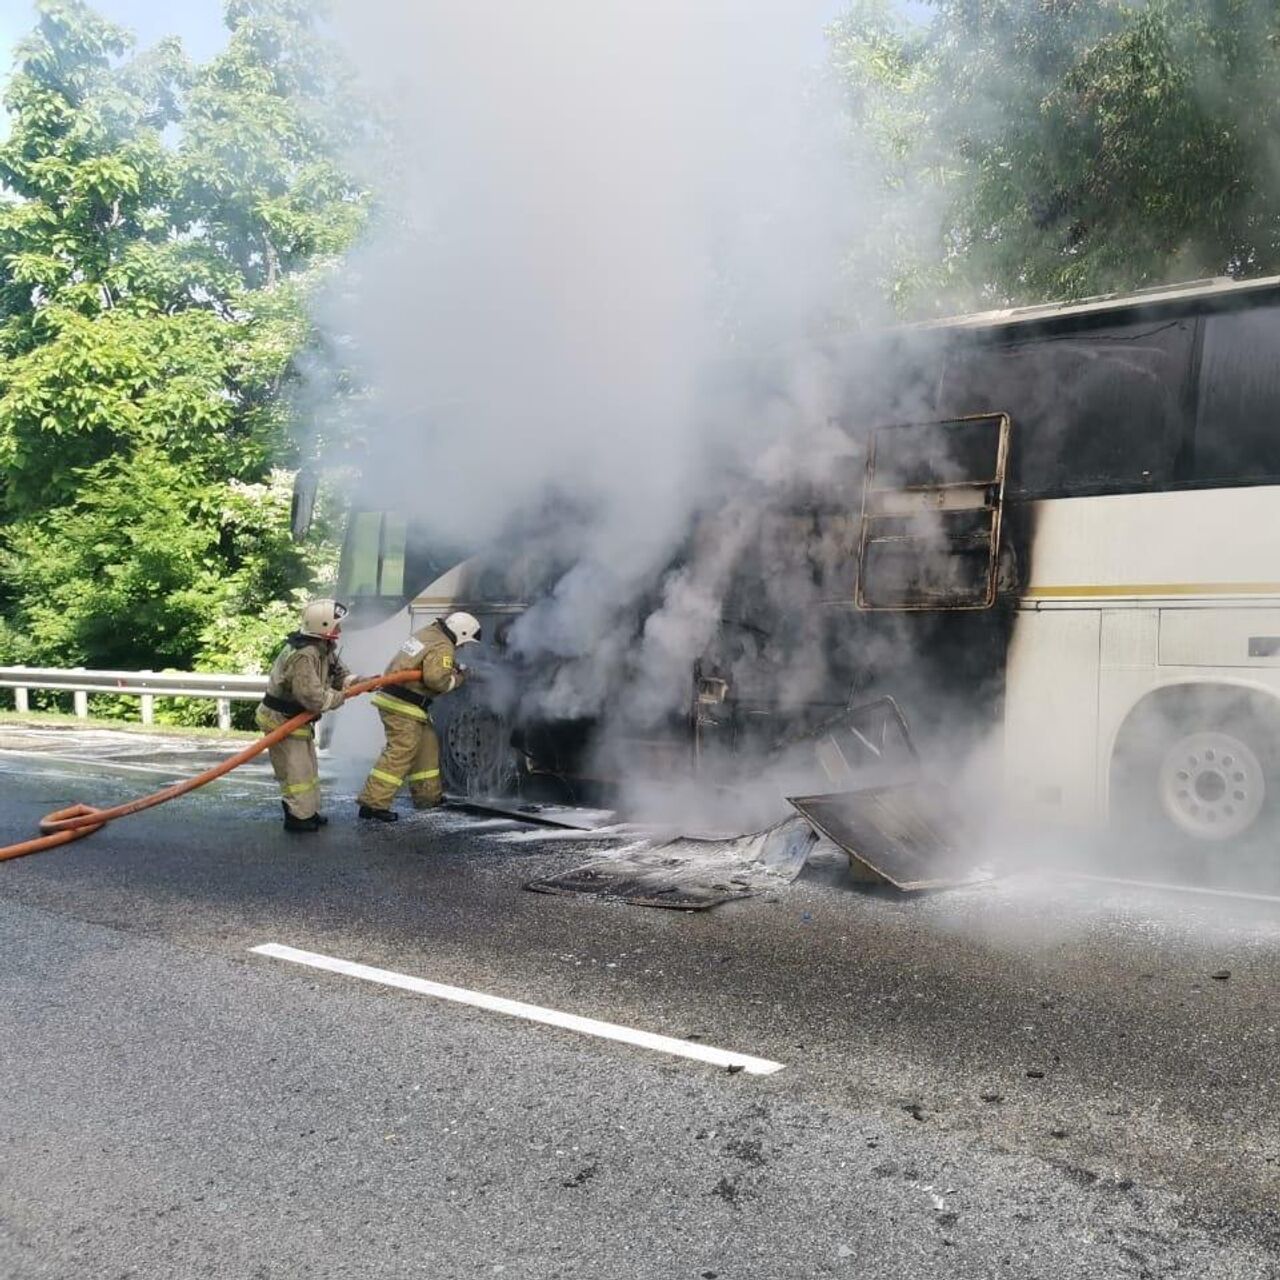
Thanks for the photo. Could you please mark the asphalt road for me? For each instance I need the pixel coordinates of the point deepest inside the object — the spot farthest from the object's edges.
(1039, 1078)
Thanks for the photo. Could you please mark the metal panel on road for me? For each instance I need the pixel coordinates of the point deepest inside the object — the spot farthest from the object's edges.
(907, 835)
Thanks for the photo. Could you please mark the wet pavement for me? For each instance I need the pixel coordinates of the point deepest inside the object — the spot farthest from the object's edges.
(970, 1078)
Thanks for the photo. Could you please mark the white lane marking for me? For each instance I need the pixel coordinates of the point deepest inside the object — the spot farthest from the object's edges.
(531, 1012)
(1243, 894)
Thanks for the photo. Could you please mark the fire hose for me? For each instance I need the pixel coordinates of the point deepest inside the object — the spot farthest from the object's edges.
(80, 820)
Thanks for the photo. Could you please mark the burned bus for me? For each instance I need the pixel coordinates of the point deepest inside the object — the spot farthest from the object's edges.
(1053, 532)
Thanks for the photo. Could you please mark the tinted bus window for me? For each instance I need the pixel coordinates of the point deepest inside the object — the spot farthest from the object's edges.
(1238, 415)
(359, 574)
(373, 556)
(1094, 412)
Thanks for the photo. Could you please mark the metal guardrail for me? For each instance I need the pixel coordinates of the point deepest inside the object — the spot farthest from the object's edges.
(146, 685)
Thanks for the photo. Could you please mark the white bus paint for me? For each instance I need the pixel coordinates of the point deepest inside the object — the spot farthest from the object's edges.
(530, 1012)
(1130, 594)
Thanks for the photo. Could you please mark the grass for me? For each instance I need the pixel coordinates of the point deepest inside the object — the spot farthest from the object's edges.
(65, 720)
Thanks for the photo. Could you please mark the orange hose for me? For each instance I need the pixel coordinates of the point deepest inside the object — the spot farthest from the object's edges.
(80, 820)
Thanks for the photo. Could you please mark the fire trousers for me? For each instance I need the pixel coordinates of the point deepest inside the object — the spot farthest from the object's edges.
(294, 762)
(412, 755)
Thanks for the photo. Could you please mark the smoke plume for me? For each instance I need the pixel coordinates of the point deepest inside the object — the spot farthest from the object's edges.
(591, 207)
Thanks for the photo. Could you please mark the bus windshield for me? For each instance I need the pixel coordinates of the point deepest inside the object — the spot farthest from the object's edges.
(387, 558)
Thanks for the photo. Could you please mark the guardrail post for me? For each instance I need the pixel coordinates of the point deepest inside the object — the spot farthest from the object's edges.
(20, 698)
(81, 700)
(148, 703)
(224, 713)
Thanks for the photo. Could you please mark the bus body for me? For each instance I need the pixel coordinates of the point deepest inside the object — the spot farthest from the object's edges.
(1131, 563)
(1132, 601)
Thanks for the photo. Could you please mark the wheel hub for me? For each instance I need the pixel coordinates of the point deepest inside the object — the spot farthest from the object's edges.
(476, 752)
(1212, 785)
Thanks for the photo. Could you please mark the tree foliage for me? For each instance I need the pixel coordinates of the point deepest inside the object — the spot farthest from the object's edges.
(163, 226)
(1044, 149)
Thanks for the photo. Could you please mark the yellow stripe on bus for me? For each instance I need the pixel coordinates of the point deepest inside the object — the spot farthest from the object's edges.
(1156, 589)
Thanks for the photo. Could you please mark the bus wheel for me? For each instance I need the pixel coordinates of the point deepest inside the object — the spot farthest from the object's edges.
(1198, 769)
(475, 755)
(1212, 785)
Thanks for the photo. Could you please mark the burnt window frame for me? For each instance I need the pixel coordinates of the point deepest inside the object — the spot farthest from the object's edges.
(992, 492)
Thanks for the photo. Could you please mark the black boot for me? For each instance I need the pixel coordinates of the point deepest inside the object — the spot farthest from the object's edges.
(321, 820)
(291, 823)
(379, 815)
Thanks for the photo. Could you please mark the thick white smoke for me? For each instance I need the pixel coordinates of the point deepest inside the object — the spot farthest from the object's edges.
(588, 202)
(607, 267)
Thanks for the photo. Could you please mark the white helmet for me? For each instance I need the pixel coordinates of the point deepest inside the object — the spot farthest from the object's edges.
(323, 619)
(463, 627)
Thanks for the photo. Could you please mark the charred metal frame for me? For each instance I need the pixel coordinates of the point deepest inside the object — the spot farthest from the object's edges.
(984, 495)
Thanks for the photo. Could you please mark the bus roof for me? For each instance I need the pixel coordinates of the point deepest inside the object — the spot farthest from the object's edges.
(1191, 295)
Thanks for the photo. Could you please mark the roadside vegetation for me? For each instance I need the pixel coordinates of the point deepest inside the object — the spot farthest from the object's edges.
(164, 226)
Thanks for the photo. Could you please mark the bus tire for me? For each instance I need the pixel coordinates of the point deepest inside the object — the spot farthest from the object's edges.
(1197, 769)
(476, 758)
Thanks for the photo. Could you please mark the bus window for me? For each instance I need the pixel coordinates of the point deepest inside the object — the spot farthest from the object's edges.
(387, 558)
(391, 580)
(359, 573)
(1093, 412)
(373, 556)
(1238, 413)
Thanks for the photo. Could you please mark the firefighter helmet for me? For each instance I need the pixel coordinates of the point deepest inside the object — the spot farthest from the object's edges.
(463, 627)
(323, 619)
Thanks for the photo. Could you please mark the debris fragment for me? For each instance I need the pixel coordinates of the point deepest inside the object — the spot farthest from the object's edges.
(1221, 976)
(906, 835)
(585, 1174)
(748, 1150)
(690, 873)
(1033, 1074)
(728, 1191)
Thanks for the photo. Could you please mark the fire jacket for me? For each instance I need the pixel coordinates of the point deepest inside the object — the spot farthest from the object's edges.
(307, 675)
(432, 653)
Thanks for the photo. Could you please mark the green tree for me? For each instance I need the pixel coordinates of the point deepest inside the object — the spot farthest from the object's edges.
(1072, 147)
(163, 229)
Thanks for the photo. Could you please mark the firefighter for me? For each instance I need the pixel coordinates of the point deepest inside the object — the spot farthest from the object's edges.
(412, 753)
(307, 675)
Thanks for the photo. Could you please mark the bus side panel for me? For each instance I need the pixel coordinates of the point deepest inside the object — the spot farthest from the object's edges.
(1198, 543)
(1051, 716)
(1130, 639)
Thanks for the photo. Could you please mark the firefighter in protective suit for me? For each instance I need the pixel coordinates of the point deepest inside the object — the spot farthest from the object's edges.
(307, 675)
(412, 753)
